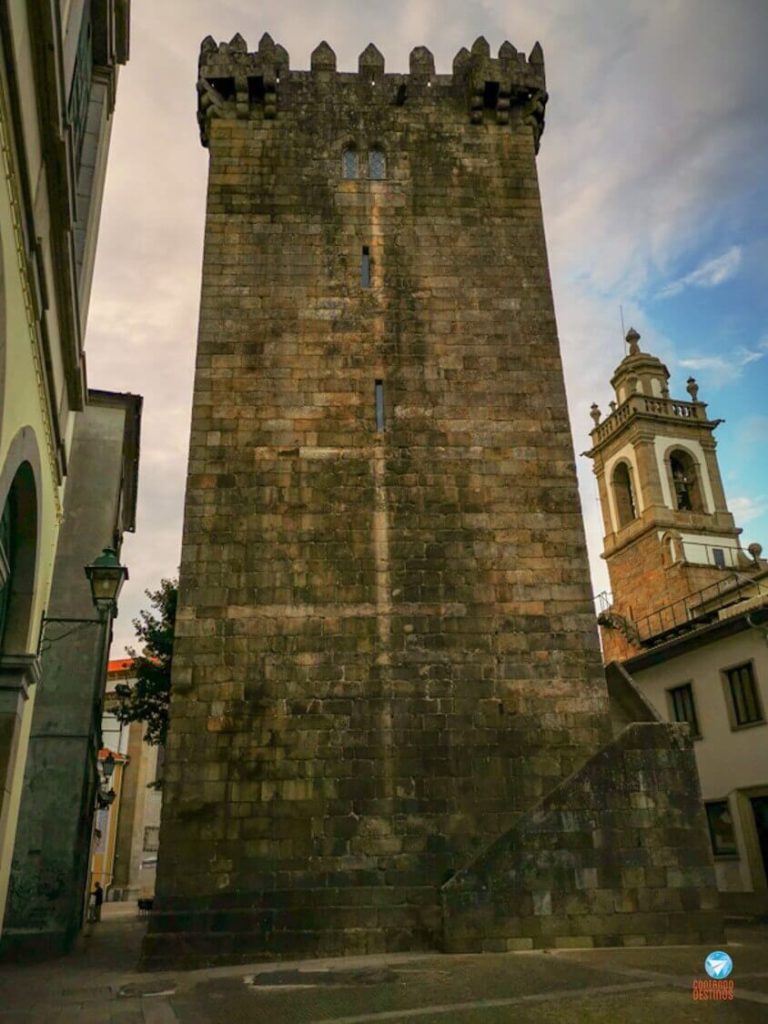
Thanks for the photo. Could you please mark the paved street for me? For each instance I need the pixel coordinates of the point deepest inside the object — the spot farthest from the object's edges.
(98, 985)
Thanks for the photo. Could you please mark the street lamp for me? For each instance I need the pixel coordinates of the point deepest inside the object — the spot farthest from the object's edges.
(106, 577)
(105, 795)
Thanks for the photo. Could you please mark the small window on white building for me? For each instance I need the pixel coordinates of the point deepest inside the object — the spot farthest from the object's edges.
(718, 556)
(683, 707)
(742, 695)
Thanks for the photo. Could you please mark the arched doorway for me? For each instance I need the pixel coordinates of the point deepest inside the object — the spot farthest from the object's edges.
(19, 667)
(18, 561)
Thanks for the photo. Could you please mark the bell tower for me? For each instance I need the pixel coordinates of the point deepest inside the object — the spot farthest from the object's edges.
(669, 536)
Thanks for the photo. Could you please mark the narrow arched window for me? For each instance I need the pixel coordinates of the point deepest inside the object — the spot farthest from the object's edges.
(686, 492)
(377, 165)
(349, 163)
(624, 493)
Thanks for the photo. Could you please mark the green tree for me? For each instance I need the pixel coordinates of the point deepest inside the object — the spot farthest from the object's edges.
(148, 697)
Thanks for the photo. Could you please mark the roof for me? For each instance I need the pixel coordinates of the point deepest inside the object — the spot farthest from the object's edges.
(131, 445)
(751, 616)
(120, 665)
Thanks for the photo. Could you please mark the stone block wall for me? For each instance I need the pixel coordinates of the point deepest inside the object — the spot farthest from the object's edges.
(386, 651)
(618, 854)
(646, 583)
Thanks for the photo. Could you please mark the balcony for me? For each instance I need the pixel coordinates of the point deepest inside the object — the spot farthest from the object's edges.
(650, 406)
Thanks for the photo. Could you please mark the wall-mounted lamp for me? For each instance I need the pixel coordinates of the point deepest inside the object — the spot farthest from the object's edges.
(106, 577)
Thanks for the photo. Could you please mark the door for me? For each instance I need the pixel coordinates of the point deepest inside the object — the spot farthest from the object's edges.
(760, 811)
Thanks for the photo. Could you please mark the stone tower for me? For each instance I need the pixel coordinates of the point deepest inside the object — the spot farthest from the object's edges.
(669, 537)
(386, 653)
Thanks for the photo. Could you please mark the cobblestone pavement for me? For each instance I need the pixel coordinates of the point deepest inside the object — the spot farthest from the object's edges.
(98, 984)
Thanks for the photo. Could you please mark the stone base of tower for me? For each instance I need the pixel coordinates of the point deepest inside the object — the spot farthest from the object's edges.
(617, 855)
(340, 920)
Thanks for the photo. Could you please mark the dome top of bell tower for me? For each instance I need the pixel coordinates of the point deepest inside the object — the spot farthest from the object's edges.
(639, 372)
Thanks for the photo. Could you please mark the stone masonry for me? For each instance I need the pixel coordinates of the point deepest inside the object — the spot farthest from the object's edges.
(386, 652)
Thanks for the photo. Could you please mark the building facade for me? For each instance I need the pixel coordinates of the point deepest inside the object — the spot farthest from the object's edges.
(105, 822)
(386, 670)
(51, 859)
(688, 616)
(127, 863)
(58, 73)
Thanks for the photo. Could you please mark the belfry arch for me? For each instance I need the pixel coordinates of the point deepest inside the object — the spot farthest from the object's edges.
(624, 494)
(685, 478)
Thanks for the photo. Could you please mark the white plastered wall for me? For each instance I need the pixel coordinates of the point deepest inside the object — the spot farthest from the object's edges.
(729, 761)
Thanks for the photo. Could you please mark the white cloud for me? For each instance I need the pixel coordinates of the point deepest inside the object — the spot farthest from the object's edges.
(721, 370)
(709, 275)
(746, 508)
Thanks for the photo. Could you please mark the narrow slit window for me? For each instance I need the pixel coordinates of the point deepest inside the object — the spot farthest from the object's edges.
(365, 268)
(379, 396)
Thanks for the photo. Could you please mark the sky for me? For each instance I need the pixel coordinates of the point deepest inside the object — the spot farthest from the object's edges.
(654, 181)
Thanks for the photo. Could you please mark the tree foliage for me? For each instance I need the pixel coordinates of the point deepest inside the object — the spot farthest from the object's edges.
(148, 697)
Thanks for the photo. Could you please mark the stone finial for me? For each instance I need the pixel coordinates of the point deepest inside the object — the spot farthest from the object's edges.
(692, 388)
(755, 551)
(266, 47)
(237, 44)
(595, 413)
(536, 55)
(208, 45)
(422, 62)
(612, 406)
(507, 51)
(632, 340)
(460, 60)
(371, 61)
(323, 58)
(480, 47)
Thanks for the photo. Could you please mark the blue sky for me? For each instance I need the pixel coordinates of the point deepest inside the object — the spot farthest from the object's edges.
(654, 179)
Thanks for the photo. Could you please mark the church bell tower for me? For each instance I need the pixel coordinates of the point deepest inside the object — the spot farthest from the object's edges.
(669, 537)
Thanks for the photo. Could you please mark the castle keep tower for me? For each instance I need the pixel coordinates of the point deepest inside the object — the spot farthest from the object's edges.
(385, 651)
(669, 537)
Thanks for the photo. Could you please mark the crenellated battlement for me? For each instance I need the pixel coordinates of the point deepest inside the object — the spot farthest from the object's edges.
(236, 83)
